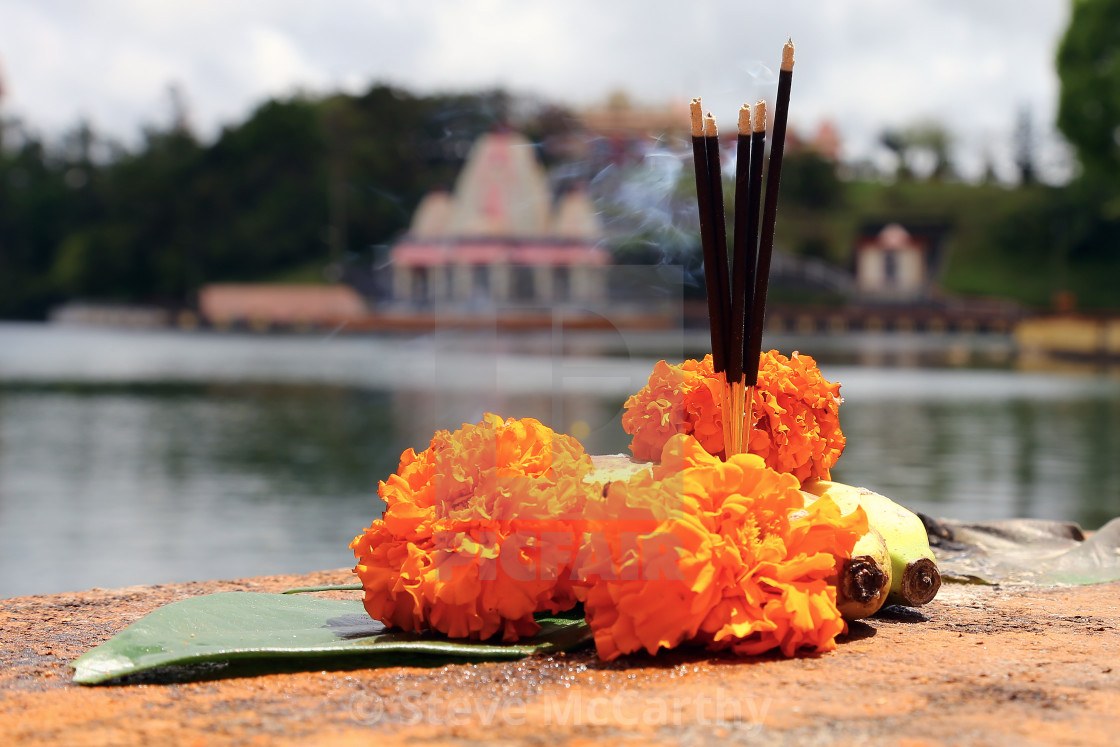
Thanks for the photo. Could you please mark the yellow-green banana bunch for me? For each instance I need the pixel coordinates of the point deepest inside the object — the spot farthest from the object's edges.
(912, 578)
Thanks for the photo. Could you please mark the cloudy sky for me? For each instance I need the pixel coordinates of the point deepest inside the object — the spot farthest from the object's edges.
(865, 64)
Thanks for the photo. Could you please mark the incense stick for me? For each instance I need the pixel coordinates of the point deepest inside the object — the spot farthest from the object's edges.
(769, 216)
(716, 317)
(754, 200)
(737, 303)
(748, 198)
(742, 249)
(719, 226)
(742, 280)
(723, 282)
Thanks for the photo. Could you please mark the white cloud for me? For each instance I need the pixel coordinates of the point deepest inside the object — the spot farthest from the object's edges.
(866, 64)
(275, 64)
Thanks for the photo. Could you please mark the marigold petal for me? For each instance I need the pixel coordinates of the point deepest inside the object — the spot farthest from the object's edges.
(752, 561)
(796, 425)
(479, 532)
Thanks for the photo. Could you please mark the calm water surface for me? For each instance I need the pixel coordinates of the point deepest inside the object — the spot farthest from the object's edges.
(148, 457)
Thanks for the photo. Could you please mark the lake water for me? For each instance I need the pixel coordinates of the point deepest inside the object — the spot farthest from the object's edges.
(149, 457)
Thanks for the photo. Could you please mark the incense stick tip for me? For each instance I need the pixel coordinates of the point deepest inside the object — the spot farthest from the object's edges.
(697, 112)
(787, 55)
(759, 121)
(744, 119)
(709, 125)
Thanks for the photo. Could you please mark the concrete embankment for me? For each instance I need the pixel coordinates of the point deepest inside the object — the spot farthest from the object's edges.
(979, 665)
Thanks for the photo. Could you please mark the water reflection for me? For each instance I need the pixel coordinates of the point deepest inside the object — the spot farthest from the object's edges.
(132, 485)
(118, 485)
(163, 458)
(989, 460)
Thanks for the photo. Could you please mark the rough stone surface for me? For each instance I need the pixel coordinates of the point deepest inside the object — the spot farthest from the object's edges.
(979, 665)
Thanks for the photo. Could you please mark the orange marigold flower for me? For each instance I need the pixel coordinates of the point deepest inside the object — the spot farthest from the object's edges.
(796, 413)
(678, 399)
(723, 554)
(479, 531)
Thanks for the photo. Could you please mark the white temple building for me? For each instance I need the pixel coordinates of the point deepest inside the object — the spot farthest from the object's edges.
(893, 265)
(500, 239)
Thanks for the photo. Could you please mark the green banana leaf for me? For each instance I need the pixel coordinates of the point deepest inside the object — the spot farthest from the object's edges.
(278, 632)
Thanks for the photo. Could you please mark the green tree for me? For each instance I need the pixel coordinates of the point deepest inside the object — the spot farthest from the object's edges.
(930, 141)
(894, 140)
(1088, 65)
(304, 187)
(257, 203)
(811, 193)
(809, 180)
(924, 144)
(43, 196)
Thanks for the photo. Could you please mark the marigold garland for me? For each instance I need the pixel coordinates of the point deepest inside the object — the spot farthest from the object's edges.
(479, 531)
(796, 413)
(722, 554)
(499, 520)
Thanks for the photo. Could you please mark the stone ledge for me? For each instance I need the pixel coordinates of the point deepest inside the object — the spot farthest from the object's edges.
(979, 664)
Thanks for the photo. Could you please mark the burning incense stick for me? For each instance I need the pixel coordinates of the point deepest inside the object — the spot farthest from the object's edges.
(754, 200)
(737, 304)
(769, 216)
(723, 282)
(743, 250)
(719, 226)
(748, 197)
(742, 278)
(712, 266)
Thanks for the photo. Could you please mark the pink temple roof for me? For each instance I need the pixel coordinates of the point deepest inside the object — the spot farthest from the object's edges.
(427, 254)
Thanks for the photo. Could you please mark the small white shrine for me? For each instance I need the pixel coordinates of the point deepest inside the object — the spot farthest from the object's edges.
(894, 265)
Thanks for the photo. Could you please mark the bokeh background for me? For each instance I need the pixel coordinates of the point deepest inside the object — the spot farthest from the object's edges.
(225, 309)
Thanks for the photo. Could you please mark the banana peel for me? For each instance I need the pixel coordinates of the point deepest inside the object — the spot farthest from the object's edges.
(915, 578)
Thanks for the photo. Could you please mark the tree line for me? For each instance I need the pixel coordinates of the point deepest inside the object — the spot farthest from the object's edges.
(314, 188)
(302, 186)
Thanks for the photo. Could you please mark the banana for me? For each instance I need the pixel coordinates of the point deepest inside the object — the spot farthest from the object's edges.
(914, 575)
(611, 467)
(865, 579)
